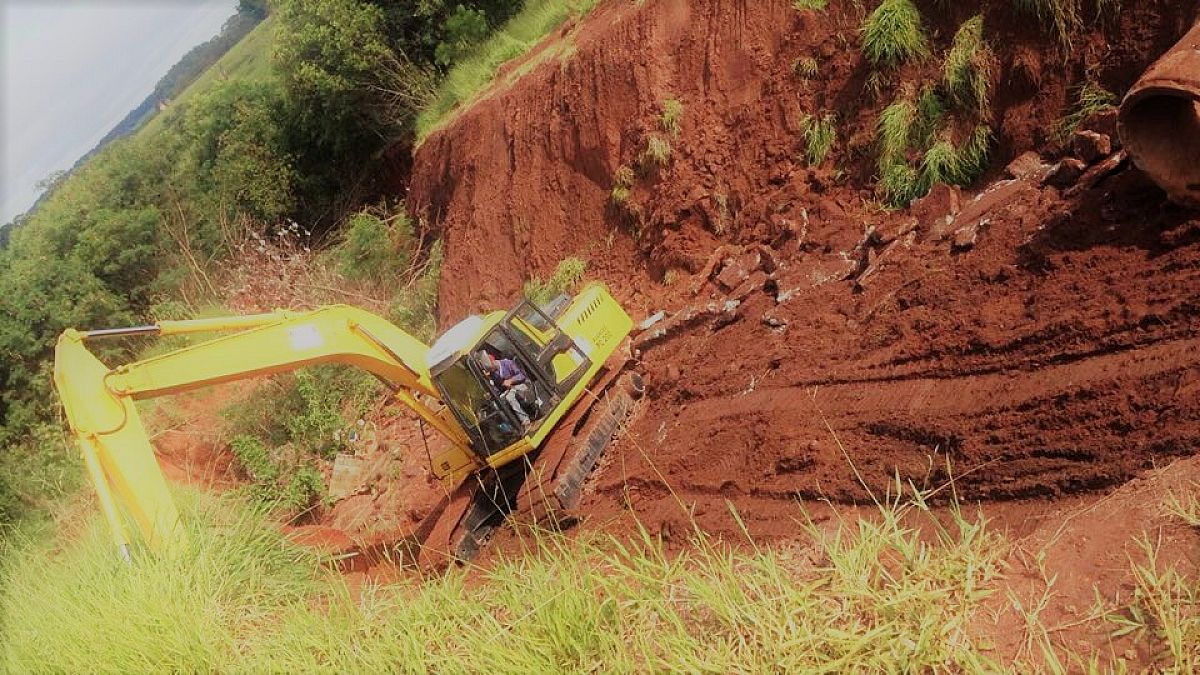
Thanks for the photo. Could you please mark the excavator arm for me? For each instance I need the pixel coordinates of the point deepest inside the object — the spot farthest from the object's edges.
(99, 401)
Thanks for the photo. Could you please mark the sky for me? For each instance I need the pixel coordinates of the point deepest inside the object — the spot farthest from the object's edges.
(70, 70)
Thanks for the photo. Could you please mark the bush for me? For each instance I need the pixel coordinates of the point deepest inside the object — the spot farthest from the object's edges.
(805, 5)
(566, 277)
(374, 248)
(464, 29)
(894, 33)
(819, 137)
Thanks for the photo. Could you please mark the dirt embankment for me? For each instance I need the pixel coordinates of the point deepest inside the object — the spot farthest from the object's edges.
(1042, 342)
(522, 178)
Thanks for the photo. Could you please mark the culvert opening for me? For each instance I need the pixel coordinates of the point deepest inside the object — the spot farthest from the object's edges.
(1162, 131)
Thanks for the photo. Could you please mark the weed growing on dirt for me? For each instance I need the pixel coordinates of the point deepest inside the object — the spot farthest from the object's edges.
(721, 225)
(279, 477)
(657, 153)
(813, 5)
(806, 67)
(297, 420)
(1185, 506)
(969, 67)
(672, 116)
(819, 137)
(894, 33)
(870, 594)
(471, 75)
(623, 182)
(1166, 608)
(566, 277)
(1061, 16)
(899, 183)
(1090, 98)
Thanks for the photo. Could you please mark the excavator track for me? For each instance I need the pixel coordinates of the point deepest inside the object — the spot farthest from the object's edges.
(543, 488)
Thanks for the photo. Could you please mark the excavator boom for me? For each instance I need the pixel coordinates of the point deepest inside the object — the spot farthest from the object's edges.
(99, 402)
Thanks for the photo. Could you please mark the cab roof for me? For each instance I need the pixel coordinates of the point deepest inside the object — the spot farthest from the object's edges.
(460, 339)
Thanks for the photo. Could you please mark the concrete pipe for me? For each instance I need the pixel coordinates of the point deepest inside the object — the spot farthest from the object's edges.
(1159, 122)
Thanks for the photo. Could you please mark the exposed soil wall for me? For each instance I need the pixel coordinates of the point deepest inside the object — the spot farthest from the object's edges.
(522, 178)
(1041, 342)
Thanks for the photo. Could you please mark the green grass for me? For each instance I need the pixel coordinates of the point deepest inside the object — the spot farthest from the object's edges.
(969, 65)
(1090, 98)
(894, 33)
(895, 128)
(567, 275)
(472, 75)
(806, 5)
(250, 60)
(879, 597)
(671, 119)
(1061, 16)
(820, 134)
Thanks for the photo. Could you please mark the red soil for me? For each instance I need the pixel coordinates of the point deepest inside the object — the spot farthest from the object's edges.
(1057, 355)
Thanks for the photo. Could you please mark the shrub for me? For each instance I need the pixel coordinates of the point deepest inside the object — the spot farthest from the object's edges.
(819, 137)
(814, 5)
(894, 33)
(672, 116)
(375, 248)
(413, 306)
(969, 66)
(806, 67)
(566, 277)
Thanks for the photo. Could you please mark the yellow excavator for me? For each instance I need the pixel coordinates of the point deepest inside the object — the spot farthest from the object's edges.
(573, 352)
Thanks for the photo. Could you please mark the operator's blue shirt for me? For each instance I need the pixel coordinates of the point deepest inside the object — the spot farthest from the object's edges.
(507, 369)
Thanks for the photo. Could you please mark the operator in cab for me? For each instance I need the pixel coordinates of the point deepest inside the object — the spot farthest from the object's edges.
(508, 377)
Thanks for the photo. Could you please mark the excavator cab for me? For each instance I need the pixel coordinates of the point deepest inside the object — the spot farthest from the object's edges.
(551, 360)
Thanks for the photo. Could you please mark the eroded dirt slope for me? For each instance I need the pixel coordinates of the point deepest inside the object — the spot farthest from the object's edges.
(1039, 342)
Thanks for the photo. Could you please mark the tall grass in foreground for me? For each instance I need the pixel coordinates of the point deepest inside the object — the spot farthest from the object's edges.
(869, 595)
(471, 75)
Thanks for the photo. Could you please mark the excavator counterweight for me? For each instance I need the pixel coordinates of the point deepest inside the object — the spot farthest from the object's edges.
(562, 357)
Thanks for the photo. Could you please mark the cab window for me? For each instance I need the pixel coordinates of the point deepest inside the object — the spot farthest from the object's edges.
(481, 414)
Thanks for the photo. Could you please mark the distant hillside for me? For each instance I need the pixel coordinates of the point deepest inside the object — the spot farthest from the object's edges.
(190, 67)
